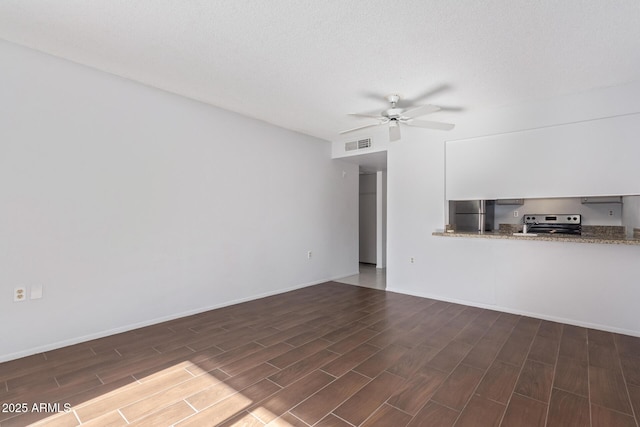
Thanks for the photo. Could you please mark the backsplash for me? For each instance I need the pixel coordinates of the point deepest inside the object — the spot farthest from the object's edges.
(509, 228)
(592, 214)
(604, 231)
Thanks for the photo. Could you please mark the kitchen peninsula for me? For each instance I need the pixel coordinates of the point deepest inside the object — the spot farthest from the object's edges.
(608, 240)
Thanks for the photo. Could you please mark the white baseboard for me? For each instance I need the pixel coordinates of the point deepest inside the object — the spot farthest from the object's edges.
(101, 334)
(510, 310)
(125, 328)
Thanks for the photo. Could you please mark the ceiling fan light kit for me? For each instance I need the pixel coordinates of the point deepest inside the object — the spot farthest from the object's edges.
(394, 116)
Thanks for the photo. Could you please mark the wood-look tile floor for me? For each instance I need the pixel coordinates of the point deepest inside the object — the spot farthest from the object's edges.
(335, 355)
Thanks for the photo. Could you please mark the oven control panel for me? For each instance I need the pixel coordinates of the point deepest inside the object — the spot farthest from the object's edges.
(552, 219)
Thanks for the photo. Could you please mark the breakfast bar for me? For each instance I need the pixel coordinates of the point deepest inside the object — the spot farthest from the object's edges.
(608, 240)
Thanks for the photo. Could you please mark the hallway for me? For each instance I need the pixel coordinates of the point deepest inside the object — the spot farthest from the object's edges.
(369, 277)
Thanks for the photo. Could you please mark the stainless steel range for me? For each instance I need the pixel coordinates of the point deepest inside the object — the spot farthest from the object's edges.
(553, 223)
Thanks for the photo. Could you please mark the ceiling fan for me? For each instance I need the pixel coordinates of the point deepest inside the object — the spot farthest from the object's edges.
(394, 116)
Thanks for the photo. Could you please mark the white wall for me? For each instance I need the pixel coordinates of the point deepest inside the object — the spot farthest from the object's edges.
(130, 205)
(592, 285)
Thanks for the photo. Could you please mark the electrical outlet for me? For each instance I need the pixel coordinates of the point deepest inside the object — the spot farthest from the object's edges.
(610, 213)
(19, 294)
(516, 213)
(412, 260)
(309, 254)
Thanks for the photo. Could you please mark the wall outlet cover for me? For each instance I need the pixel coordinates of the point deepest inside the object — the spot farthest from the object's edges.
(20, 293)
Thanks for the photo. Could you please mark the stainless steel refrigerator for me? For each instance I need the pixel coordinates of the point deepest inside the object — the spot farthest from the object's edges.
(472, 215)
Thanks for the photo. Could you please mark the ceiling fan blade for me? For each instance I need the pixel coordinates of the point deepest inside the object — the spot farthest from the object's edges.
(360, 127)
(429, 124)
(394, 132)
(420, 111)
(432, 92)
(367, 116)
(379, 97)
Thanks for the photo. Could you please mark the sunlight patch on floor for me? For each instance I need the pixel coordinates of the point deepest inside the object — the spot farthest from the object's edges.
(137, 400)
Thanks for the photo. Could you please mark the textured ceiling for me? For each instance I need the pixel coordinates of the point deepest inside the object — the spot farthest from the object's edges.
(304, 65)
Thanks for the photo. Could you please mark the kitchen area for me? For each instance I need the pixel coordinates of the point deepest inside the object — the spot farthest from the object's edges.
(601, 219)
(553, 183)
(550, 156)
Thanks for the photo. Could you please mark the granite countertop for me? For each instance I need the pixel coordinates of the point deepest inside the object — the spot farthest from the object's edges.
(608, 240)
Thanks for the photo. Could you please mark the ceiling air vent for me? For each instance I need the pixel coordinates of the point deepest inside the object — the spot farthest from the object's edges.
(357, 145)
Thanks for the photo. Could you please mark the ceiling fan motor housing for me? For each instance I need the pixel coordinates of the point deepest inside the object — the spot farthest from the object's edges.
(393, 113)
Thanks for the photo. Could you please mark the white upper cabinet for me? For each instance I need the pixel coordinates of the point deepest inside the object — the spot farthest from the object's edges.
(590, 158)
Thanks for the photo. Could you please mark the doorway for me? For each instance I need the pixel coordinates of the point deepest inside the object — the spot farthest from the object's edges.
(369, 277)
(372, 221)
(372, 227)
